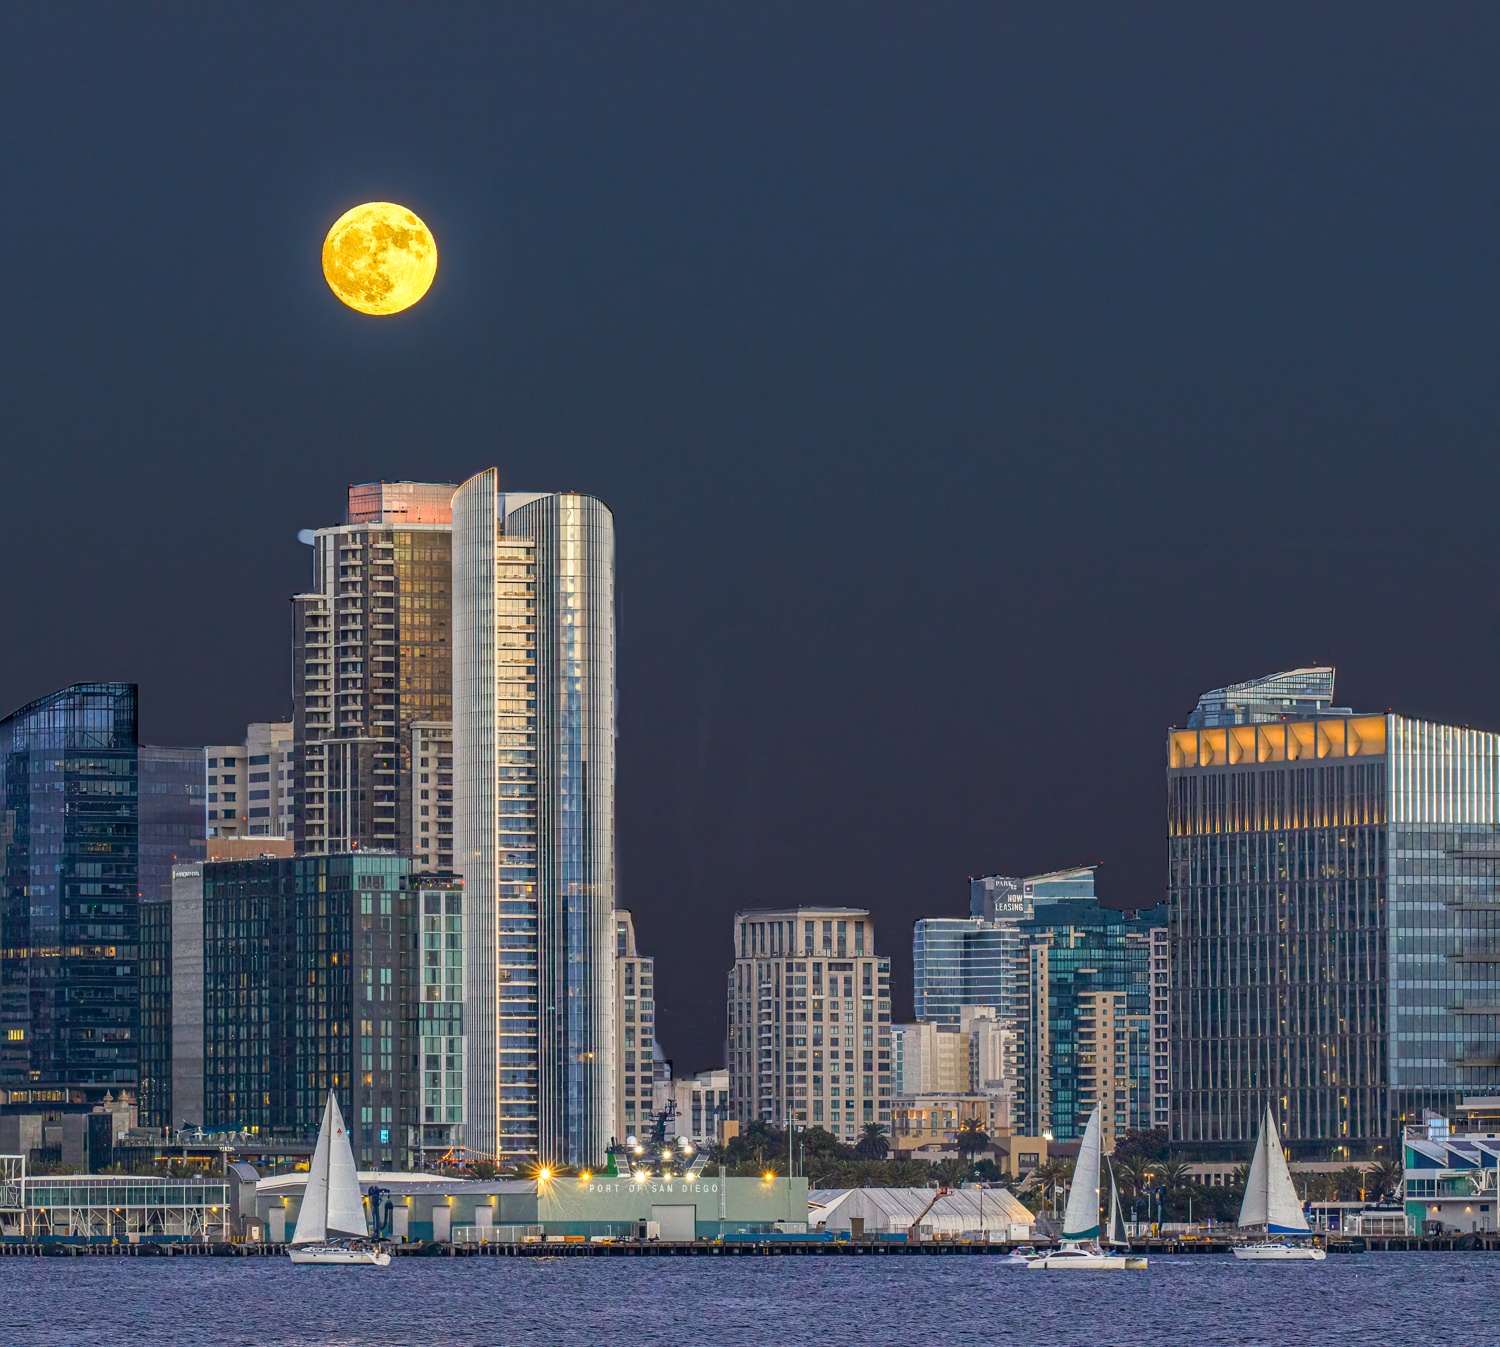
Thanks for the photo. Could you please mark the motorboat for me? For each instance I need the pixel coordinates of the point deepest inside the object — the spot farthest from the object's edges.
(331, 1226)
(1020, 1256)
(1271, 1206)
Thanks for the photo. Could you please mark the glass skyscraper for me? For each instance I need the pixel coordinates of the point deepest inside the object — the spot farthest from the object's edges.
(534, 758)
(69, 907)
(310, 984)
(1335, 937)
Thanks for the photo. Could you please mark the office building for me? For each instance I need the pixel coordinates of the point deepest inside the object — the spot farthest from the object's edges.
(635, 1031)
(1298, 694)
(1084, 1032)
(91, 818)
(1332, 892)
(309, 985)
(170, 794)
(809, 1015)
(431, 821)
(371, 655)
(976, 960)
(249, 788)
(534, 815)
(184, 1106)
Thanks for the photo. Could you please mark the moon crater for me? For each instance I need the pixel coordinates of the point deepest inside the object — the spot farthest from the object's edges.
(379, 258)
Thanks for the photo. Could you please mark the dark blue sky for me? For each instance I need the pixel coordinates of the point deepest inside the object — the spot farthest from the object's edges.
(973, 386)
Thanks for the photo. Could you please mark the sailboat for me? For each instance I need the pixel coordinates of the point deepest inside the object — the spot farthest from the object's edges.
(332, 1205)
(1080, 1240)
(1271, 1201)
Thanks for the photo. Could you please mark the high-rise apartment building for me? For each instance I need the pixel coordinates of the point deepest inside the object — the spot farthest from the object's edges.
(1161, 1028)
(371, 655)
(635, 1031)
(534, 815)
(249, 788)
(1332, 883)
(440, 1012)
(809, 1015)
(432, 794)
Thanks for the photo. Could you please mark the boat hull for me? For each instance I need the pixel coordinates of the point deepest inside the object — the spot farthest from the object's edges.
(1088, 1262)
(1279, 1253)
(338, 1255)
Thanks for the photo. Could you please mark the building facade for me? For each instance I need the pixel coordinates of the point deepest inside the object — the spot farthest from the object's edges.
(975, 1057)
(170, 795)
(1084, 1034)
(249, 788)
(90, 822)
(310, 985)
(976, 960)
(534, 810)
(432, 794)
(1333, 946)
(439, 900)
(371, 655)
(635, 1031)
(809, 1015)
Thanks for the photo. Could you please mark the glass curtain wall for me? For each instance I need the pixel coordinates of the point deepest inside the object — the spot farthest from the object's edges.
(69, 907)
(573, 538)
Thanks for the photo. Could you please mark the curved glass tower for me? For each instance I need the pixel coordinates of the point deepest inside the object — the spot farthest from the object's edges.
(534, 807)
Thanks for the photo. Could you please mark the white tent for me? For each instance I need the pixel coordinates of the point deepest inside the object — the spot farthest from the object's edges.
(965, 1211)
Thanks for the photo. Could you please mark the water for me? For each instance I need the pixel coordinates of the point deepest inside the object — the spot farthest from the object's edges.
(1366, 1299)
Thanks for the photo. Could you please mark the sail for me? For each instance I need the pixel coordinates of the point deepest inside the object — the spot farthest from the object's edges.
(1253, 1208)
(1116, 1218)
(312, 1220)
(1283, 1207)
(346, 1207)
(1270, 1199)
(1081, 1219)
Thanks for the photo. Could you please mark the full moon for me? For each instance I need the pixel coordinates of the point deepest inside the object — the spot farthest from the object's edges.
(379, 258)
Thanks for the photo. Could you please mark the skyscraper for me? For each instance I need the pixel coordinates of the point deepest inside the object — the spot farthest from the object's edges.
(1333, 941)
(70, 906)
(534, 816)
(370, 656)
(809, 1014)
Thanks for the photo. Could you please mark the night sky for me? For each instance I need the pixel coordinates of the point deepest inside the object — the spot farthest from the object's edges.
(973, 386)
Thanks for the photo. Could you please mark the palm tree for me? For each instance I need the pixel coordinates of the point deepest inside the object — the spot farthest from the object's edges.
(872, 1144)
(1384, 1178)
(1351, 1181)
(1132, 1171)
(1171, 1174)
(972, 1138)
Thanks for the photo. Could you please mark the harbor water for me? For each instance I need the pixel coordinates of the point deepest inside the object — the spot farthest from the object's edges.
(1387, 1298)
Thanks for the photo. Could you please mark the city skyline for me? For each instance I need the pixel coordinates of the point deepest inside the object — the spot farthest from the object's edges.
(972, 389)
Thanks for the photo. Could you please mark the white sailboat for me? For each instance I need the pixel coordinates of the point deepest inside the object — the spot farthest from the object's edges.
(1080, 1240)
(332, 1205)
(1271, 1202)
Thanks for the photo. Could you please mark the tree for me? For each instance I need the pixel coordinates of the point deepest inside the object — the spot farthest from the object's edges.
(872, 1144)
(1170, 1174)
(1384, 1178)
(1351, 1184)
(949, 1173)
(1138, 1144)
(972, 1138)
